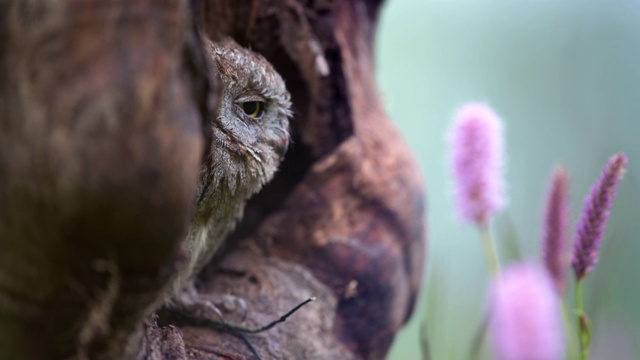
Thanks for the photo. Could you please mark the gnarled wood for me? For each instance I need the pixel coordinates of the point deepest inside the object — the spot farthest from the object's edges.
(344, 221)
(100, 143)
(101, 140)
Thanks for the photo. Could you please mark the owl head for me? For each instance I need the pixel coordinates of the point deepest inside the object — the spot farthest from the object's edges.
(250, 129)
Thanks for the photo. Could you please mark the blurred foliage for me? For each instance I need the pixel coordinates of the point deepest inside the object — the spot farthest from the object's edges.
(565, 77)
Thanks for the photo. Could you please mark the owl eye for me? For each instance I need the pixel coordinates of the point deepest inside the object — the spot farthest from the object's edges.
(254, 109)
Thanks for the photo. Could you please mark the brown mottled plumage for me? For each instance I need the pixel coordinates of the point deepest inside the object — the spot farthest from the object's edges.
(245, 150)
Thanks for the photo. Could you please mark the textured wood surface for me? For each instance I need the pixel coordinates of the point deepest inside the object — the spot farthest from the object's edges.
(101, 140)
(343, 221)
(101, 108)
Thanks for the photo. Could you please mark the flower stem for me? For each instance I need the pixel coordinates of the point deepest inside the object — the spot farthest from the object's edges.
(490, 251)
(570, 332)
(478, 337)
(584, 326)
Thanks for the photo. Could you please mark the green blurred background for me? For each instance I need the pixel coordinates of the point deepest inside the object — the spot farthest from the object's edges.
(565, 77)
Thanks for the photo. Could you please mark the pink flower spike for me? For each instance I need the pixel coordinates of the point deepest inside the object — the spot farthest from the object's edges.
(554, 235)
(525, 319)
(476, 148)
(595, 215)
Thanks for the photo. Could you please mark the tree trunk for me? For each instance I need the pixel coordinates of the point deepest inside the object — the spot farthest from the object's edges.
(101, 137)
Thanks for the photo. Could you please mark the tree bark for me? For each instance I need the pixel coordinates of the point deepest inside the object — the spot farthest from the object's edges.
(101, 140)
(342, 221)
